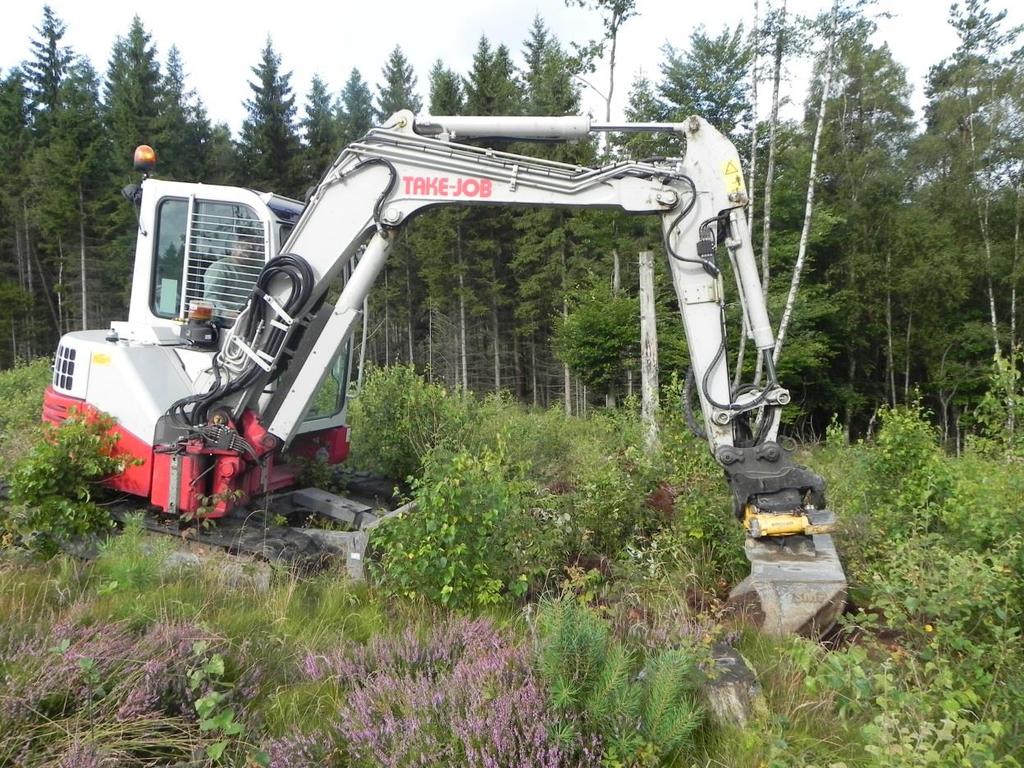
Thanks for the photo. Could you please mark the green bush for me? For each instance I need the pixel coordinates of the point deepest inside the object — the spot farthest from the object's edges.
(21, 407)
(398, 418)
(910, 475)
(643, 713)
(446, 550)
(52, 487)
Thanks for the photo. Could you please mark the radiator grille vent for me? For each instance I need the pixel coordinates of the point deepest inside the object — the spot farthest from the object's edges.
(64, 368)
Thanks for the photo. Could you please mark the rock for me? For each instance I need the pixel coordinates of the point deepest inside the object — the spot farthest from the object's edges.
(732, 690)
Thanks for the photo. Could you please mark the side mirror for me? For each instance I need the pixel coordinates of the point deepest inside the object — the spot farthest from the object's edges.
(132, 193)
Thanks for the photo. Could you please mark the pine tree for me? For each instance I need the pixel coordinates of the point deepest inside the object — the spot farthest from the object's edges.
(491, 88)
(320, 133)
(269, 145)
(46, 70)
(355, 109)
(398, 90)
(183, 129)
(132, 91)
(446, 97)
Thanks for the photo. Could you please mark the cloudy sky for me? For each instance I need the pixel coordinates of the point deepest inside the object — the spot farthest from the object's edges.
(220, 42)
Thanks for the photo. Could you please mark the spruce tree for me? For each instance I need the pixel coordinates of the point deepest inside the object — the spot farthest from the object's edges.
(320, 133)
(269, 146)
(398, 90)
(183, 129)
(446, 97)
(355, 109)
(45, 71)
(132, 92)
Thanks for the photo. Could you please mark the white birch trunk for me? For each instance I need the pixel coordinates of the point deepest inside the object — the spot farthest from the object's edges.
(1016, 261)
(888, 330)
(497, 346)
(648, 350)
(984, 224)
(754, 44)
(769, 176)
(801, 257)
(362, 343)
(462, 310)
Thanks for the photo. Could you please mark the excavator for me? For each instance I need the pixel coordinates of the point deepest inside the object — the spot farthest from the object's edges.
(236, 353)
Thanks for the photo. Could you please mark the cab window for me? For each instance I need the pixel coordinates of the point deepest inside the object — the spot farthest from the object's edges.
(170, 257)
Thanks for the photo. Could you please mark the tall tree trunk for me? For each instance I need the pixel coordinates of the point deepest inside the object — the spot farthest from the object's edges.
(517, 368)
(567, 381)
(648, 350)
(81, 243)
(497, 344)
(986, 238)
(906, 364)
(533, 368)
(462, 311)
(610, 397)
(430, 344)
(408, 309)
(30, 319)
(1016, 259)
(801, 257)
(755, 33)
(61, 311)
(363, 342)
(46, 291)
(851, 372)
(769, 176)
(387, 323)
(890, 364)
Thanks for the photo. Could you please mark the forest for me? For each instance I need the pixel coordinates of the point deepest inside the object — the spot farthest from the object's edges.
(897, 239)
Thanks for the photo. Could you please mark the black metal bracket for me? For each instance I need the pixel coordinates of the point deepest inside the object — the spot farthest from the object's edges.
(766, 477)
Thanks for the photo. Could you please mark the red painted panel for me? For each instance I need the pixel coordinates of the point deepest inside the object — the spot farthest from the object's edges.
(330, 444)
(137, 476)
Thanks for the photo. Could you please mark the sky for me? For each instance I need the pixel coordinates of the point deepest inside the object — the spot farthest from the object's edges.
(220, 42)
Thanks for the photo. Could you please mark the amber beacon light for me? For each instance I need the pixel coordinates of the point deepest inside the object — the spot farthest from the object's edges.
(145, 158)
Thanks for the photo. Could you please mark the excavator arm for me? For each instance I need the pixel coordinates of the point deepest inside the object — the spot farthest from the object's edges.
(208, 410)
(289, 336)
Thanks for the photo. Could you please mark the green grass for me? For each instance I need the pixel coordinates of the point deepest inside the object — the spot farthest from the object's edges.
(21, 408)
(922, 663)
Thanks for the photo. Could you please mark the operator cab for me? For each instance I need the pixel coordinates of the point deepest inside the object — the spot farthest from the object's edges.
(203, 244)
(206, 244)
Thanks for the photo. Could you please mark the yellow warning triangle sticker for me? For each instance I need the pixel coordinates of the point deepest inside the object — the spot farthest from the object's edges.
(733, 176)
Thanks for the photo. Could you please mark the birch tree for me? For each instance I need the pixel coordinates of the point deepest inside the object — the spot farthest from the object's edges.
(801, 257)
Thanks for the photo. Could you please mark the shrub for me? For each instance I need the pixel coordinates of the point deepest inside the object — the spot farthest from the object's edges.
(910, 476)
(21, 407)
(131, 693)
(398, 418)
(463, 694)
(641, 714)
(52, 487)
(445, 549)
